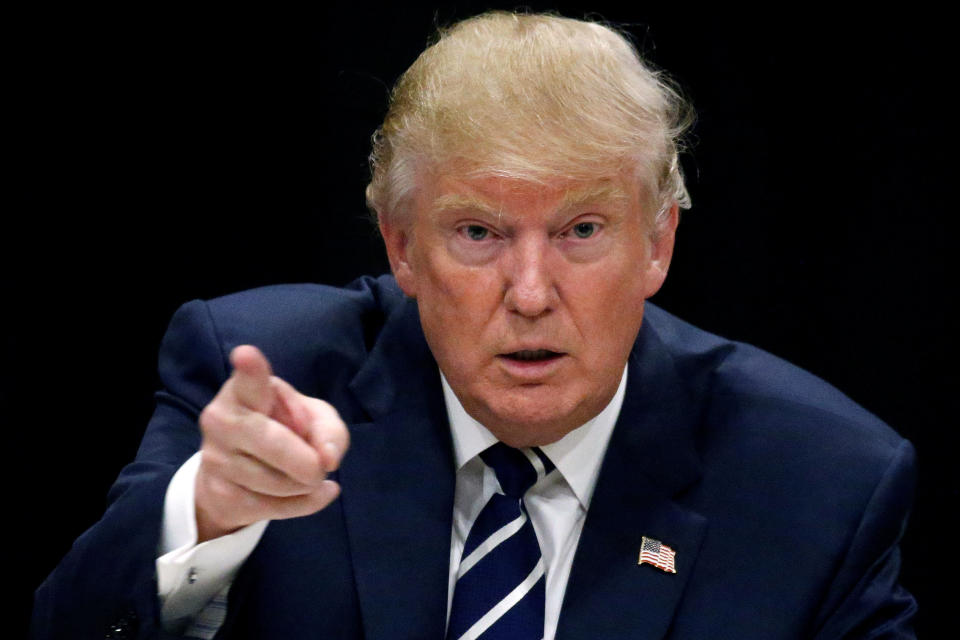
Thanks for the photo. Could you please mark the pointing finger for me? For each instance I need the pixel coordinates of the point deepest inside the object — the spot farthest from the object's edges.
(289, 408)
(251, 379)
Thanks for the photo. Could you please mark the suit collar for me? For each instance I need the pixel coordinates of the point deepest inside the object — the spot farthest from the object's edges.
(650, 461)
(387, 381)
(660, 416)
(577, 455)
(400, 476)
(657, 398)
(399, 484)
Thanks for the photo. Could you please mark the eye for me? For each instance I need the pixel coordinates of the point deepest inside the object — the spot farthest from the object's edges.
(475, 232)
(584, 230)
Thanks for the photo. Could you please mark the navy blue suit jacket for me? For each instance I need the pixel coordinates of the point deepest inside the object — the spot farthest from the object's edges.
(783, 500)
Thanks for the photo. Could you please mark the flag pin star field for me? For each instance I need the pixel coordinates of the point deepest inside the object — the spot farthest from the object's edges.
(657, 554)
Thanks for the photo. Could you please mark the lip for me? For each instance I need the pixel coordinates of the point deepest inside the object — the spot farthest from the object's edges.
(531, 371)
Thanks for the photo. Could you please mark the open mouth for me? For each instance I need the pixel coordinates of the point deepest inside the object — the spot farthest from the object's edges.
(532, 355)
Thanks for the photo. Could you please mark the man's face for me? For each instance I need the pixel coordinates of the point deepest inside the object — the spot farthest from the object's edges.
(530, 296)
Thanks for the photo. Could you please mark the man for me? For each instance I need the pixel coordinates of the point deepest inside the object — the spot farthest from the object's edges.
(526, 184)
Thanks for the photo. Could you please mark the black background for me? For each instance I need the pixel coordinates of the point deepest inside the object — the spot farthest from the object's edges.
(163, 155)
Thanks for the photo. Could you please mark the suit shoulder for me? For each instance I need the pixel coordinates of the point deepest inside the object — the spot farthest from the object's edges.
(793, 476)
(754, 389)
(293, 303)
(315, 336)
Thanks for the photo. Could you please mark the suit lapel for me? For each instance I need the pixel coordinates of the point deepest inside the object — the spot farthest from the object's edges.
(650, 459)
(399, 475)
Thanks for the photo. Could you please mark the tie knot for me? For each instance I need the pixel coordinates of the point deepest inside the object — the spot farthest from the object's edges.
(517, 469)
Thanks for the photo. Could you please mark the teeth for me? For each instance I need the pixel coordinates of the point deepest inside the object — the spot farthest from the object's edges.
(538, 354)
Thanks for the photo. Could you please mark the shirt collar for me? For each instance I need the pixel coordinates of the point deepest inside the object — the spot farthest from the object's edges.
(577, 455)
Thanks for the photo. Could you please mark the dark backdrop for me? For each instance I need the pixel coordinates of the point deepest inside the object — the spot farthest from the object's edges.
(166, 155)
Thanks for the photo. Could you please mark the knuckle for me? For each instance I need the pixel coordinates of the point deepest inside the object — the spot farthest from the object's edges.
(214, 417)
(206, 418)
(213, 459)
(274, 483)
(321, 498)
(328, 412)
(328, 422)
(317, 501)
(249, 501)
(224, 491)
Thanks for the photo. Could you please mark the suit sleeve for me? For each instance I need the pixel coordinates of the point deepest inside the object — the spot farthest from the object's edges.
(866, 599)
(106, 585)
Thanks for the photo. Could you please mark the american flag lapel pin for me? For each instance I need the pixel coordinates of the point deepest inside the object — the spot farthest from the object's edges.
(656, 553)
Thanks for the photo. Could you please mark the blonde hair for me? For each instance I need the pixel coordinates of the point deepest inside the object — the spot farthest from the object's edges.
(533, 97)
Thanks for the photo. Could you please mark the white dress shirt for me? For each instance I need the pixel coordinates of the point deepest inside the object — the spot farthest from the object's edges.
(190, 574)
(557, 504)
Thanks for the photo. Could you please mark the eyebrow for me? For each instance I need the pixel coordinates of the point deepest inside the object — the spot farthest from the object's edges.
(571, 198)
(455, 201)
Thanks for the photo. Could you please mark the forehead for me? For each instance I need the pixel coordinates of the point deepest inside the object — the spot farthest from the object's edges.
(512, 196)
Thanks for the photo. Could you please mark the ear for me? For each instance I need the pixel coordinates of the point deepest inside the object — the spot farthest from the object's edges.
(661, 250)
(398, 238)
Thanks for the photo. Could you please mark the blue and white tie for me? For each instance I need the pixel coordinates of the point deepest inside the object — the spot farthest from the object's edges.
(500, 583)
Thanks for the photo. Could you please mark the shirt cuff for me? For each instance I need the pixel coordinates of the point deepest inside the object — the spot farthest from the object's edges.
(190, 574)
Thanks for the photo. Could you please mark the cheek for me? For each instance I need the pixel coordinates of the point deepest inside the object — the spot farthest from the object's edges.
(615, 284)
(457, 304)
(607, 304)
(461, 289)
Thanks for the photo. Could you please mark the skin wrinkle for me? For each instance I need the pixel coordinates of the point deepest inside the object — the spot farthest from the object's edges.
(572, 198)
(569, 127)
(527, 285)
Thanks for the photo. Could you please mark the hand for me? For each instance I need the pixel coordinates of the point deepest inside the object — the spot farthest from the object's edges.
(266, 450)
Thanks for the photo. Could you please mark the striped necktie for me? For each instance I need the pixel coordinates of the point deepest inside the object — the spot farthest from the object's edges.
(500, 583)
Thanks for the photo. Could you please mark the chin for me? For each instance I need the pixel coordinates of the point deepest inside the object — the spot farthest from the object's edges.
(531, 426)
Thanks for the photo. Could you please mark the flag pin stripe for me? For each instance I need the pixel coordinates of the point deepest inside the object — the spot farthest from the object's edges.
(657, 554)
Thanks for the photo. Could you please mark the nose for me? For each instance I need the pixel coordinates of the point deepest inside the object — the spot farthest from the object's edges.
(530, 285)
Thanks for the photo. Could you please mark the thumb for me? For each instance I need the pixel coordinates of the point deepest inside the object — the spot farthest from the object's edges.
(251, 379)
